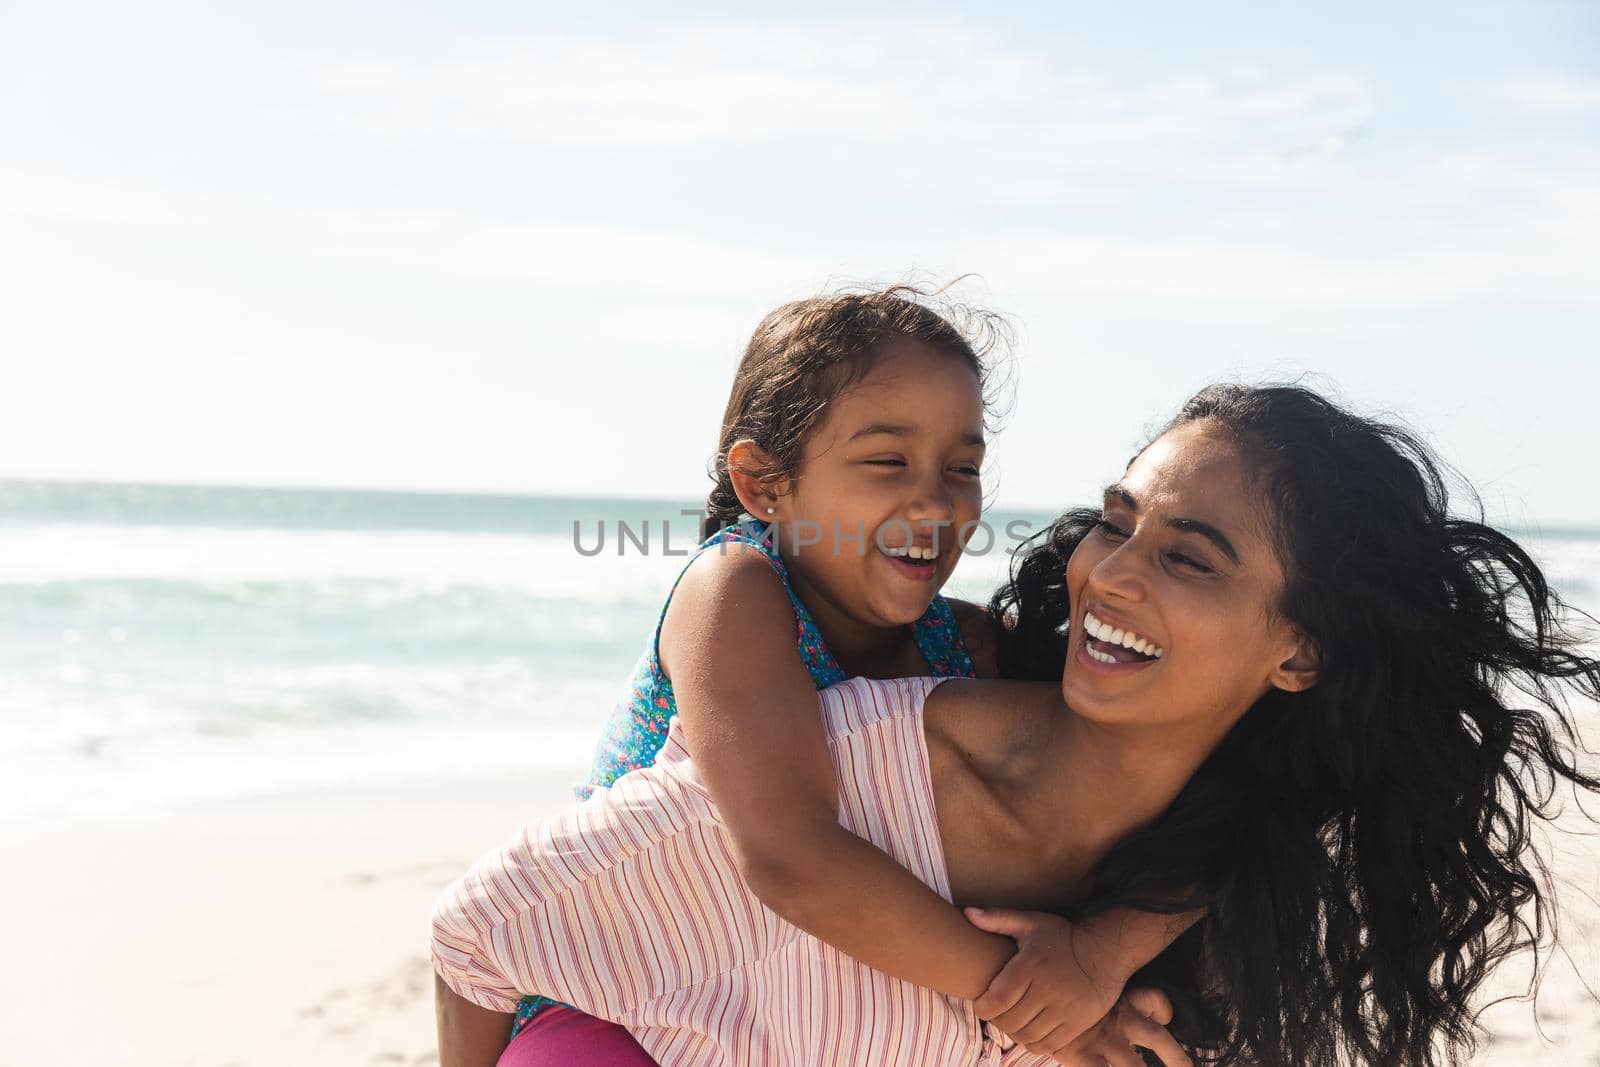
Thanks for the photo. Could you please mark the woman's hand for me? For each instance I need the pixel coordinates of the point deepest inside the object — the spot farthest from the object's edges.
(1138, 1021)
(1054, 989)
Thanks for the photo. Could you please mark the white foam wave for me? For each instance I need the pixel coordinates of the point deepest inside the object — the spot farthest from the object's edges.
(144, 754)
(1573, 567)
(172, 770)
(122, 721)
(550, 566)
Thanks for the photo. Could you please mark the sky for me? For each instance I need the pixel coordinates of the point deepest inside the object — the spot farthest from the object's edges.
(518, 247)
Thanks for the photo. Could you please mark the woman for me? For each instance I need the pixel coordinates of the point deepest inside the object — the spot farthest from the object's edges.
(1282, 699)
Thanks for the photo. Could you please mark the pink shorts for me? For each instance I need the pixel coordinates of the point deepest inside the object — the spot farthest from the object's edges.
(561, 1037)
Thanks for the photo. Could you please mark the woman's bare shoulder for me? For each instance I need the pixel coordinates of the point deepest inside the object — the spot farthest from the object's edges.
(988, 718)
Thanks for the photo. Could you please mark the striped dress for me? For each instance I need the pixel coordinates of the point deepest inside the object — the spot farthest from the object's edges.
(630, 906)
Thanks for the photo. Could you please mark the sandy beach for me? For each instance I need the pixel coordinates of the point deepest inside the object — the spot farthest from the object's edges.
(274, 932)
(294, 931)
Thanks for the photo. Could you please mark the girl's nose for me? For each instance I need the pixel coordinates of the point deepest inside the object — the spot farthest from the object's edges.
(932, 503)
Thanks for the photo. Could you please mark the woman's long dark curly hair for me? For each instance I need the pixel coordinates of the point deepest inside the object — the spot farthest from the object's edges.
(1361, 849)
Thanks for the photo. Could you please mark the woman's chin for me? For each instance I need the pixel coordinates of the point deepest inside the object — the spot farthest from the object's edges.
(1107, 693)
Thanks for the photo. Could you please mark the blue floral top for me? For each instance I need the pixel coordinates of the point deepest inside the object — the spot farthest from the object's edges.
(638, 725)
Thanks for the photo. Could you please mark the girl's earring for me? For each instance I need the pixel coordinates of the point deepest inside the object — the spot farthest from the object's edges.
(772, 511)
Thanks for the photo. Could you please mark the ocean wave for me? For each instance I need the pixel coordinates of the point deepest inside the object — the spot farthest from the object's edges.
(163, 771)
(76, 742)
(217, 557)
(145, 664)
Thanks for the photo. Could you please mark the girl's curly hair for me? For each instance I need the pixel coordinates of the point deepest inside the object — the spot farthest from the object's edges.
(805, 354)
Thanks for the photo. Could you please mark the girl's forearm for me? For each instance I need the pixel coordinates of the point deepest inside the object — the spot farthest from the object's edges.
(469, 1036)
(845, 891)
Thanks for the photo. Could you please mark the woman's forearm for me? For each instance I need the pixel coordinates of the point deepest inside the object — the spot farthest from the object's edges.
(1122, 940)
(469, 1036)
(845, 891)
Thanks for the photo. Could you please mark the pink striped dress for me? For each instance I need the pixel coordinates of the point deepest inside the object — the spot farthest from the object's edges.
(630, 907)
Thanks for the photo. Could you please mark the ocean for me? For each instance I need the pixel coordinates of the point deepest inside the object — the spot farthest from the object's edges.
(170, 645)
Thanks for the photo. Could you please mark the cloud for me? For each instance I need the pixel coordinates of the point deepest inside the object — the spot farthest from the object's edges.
(589, 254)
(1461, 227)
(67, 198)
(1230, 184)
(1244, 273)
(886, 82)
(1539, 262)
(1549, 95)
(574, 255)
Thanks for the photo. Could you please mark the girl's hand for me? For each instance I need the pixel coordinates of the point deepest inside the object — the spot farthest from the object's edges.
(1052, 990)
(1138, 1021)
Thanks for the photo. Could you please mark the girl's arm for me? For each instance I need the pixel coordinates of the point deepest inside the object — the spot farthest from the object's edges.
(1065, 974)
(750, 713)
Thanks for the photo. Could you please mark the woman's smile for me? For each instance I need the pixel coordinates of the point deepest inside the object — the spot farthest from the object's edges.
(1113, 650)
(1112, 643)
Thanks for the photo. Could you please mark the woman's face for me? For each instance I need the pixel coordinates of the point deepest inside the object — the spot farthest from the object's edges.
(1184, 570)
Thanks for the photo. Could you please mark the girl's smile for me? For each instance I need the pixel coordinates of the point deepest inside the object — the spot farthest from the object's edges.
(918, 561)
(887, 488)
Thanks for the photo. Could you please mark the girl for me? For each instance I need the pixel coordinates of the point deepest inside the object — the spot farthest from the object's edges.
(1293, 690)
(855, 435)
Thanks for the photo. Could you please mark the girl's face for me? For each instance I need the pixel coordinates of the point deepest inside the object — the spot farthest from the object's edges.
(889, 487)
(1184, 567)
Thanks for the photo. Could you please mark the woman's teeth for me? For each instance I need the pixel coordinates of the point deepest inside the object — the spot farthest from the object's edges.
(925, 554)
(1111, 635)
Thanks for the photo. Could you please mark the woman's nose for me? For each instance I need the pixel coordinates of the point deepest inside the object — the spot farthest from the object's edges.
(1120, 575)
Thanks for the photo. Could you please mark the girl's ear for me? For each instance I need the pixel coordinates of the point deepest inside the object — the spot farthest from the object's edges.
(757, 495)
(1300, 670)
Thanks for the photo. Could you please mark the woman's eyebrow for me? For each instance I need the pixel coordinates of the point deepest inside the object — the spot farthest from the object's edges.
(1210, 533)
(1121, 494)
(1204, 529)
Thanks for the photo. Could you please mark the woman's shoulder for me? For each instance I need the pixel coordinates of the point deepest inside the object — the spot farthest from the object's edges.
(978, 715)
(990, 719)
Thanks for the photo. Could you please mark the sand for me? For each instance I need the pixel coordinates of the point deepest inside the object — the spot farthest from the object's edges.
(293, 932)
